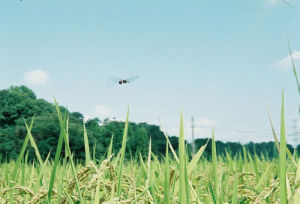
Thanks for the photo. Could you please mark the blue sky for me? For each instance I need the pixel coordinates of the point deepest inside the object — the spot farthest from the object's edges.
(220, 61)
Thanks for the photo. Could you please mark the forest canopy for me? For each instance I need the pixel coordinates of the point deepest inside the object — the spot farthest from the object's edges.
(19, 103)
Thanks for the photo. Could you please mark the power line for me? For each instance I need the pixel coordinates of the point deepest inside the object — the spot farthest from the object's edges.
(229, 130)
(247, 131)
(234, 130)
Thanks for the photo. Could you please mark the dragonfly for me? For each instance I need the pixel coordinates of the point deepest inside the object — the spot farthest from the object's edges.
(121, 81)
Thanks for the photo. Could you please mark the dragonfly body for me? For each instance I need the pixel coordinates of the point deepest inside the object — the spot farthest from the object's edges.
(123, 81)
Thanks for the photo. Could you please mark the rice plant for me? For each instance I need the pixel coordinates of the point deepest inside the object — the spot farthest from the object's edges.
(242, 178)
(174, 178)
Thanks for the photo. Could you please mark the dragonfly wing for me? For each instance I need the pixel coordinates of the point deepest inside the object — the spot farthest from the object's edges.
(112, 81)
(132, 78)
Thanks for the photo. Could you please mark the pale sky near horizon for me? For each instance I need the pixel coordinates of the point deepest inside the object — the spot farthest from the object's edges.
(221, 62)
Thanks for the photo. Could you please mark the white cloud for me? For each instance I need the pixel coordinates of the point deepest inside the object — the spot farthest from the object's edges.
(101, 111)
(205, 122)
(272, 1)
(287, 2)
(36, 77)
(285, 64)
(86, 118)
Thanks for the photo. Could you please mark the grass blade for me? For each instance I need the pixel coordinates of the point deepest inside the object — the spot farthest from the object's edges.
(212, 192)
(123, 148)
(182, 182)
(109, 152)
(33, 144)
(167, 177)
(186, 177)
(170, 145)
(63, 136)
(195, 159)
(276, 140)
(214, 165)
(149, 174)
(273, 129)
(21, 155)
(96, 199)
(235, 188)
(294, 68)
(298, 172)
(56, 160)
(86, 146)
(282, 157)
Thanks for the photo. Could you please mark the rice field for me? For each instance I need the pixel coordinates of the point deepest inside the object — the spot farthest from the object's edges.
(174, 179)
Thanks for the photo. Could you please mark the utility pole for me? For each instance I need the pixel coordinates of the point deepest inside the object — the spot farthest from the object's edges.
(193, 137)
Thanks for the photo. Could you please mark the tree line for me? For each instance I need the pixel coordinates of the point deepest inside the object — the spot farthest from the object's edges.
(19, 103)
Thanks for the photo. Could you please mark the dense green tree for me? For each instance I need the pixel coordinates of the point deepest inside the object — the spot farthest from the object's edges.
(139, 141)
(19, 103)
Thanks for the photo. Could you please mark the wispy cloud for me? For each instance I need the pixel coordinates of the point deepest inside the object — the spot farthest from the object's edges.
(203, 128)
(36, 77)
(205, 122)
(285, 64)
(102, 111)
(272, 2)
(99, 111)
(287, 2)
